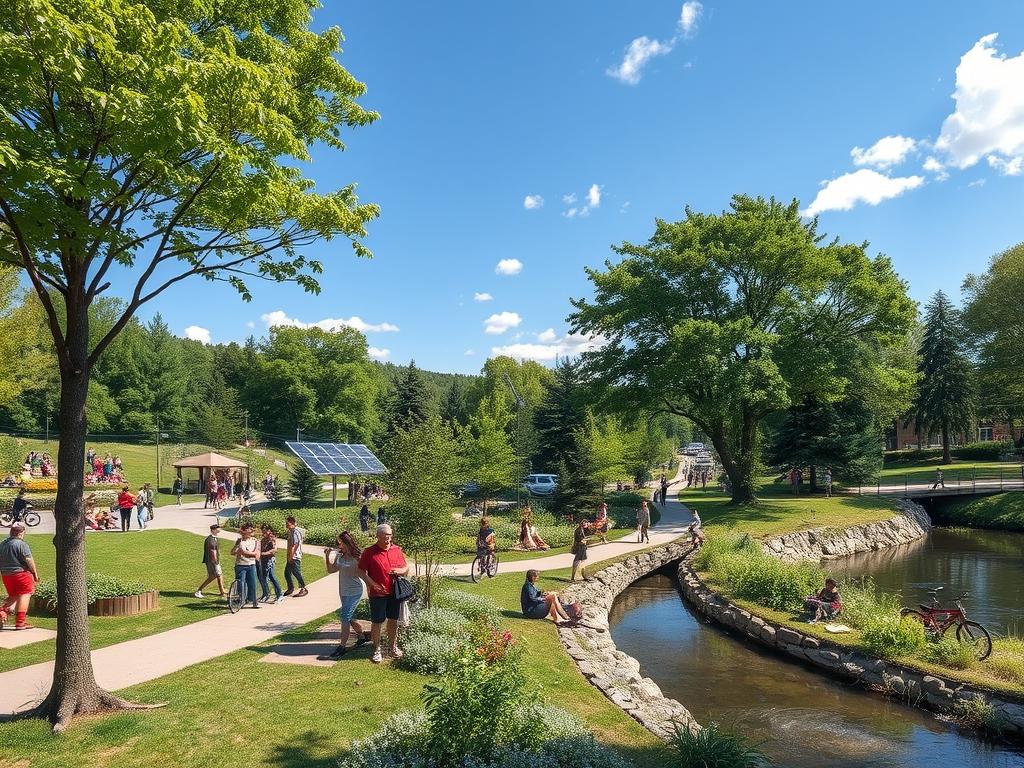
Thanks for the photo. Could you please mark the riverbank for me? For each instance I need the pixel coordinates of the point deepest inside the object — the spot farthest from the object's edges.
(1001, 511)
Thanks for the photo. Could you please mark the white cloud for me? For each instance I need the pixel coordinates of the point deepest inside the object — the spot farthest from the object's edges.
(482, 297)
(594, 196)
(378, 354)
(989, 117)
(638, 53)
(547, 336)
(572, 344)
(469, 353)
(976, 183)
(500, 322)
(871, 187)
(593, 201)
(934, 166)
(1006, 166)
(509, 267)
(570, 198)
(625, 207)
(689, 16)
(884, 153)
(530, 202)
(250, 324)
(197, 333)
(278, 317)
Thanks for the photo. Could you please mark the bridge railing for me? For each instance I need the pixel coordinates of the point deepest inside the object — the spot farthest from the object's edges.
(926, 482)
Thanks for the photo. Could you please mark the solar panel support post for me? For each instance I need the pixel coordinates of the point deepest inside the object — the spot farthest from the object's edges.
(334, 490)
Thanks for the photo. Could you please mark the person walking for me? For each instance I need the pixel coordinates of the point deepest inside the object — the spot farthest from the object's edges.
(579, 551)
(664, 490)
(90, 456)
(178, 489)
(344, 560)
(293, 563)
(19, 574)
(382, 516)
(125, 502)
(246, 552)
(939, 480)
(378, 565)
(643, 523)
(211, 493)
(142, 506)
(268, 557)
(364, 518)
(211, 559)
(828, 483)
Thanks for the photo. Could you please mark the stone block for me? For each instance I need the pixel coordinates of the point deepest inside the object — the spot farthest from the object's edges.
(788, 636)
(811, 642)
(768, 634)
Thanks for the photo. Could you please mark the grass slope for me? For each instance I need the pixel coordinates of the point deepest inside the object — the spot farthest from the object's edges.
(1003, 511)
(169, 561)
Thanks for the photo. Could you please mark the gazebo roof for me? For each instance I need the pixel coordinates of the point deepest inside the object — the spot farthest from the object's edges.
(209, 460)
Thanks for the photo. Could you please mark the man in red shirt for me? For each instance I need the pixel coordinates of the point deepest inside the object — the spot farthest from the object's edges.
(377, 565)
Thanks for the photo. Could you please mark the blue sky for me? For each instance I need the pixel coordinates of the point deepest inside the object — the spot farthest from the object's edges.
(484, 104)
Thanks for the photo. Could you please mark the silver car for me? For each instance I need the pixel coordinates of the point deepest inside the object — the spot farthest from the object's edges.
(541, 485)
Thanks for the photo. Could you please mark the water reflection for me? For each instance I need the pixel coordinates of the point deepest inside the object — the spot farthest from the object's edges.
(801, 718)
(988, 564)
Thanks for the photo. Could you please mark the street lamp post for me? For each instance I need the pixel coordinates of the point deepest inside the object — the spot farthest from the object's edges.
(519, 435)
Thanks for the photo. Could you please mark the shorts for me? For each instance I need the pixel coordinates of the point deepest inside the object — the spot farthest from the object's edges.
(384, 608)
(580, 555)
(537, 611)
(349, 603)
(19, 583)
(213, 569)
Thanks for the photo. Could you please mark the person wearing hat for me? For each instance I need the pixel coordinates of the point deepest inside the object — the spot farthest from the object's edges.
(19, 573)
(211, 559)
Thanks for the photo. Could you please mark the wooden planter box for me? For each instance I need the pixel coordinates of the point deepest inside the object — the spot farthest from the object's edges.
(112, 606)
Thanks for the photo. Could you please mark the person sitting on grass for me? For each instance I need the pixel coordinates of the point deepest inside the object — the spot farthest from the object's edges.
(826, 604)
(538, 605)
(528, 536)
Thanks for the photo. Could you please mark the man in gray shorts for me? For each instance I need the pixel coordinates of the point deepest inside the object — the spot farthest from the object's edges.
(211, 558)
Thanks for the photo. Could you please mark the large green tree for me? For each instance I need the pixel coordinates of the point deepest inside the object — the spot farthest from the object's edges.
(409, 403)
(561, 412)
(994, 318)
(142, 145)
(946, 396)
(726, 318)
(485, 447)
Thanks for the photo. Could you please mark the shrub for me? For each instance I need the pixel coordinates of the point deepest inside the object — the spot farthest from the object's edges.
(1007, 659)
(711, 747)
(977, 713)
(950, 653)
(891, 635)
(98, 586)
(305, 485)
(11, 455)
(440, 621)
(989, 449)
(473, 607)
(862, 601)
(429, 653)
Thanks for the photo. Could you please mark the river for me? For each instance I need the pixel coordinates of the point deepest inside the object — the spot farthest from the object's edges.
(801, 718)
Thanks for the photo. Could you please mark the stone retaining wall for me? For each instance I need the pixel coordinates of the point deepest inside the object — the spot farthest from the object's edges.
(613, 672)
(827, 543)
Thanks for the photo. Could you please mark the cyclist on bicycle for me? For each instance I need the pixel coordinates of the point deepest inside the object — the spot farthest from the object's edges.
(20, 506)
(485, 539)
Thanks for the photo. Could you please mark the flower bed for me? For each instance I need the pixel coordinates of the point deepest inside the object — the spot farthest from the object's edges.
(107, 596)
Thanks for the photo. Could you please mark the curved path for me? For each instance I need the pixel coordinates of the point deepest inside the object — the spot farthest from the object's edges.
(146, 658)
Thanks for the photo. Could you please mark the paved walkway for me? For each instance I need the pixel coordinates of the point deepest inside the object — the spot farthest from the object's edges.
(146, 658)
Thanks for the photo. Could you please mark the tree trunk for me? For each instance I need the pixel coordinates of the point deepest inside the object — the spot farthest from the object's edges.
(946, 454)
(814, 479)
(741, 480)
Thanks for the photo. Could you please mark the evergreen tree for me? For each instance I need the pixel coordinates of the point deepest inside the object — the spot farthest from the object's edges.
(841, 436)
(945, 396)
(304, 485)
(454, 407)
(411, 403)
(486, 450)
(559, 415)
(217, 421)
(168, 377)
(579, 488)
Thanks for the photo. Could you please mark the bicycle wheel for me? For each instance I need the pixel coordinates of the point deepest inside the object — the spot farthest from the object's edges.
(31, 519)
(235, 597)
(6, 518)
(492, 566)
(476, 571)
(973, 634)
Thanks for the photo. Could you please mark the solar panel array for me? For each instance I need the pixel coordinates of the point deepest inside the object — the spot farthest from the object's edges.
(338, 458)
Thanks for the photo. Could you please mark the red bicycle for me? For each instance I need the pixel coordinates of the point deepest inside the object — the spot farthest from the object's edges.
(937, 620)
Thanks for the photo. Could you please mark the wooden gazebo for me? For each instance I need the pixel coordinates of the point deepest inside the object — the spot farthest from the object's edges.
(210, 463)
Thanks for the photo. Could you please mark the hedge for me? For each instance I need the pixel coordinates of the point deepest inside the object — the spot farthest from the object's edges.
(98, 586)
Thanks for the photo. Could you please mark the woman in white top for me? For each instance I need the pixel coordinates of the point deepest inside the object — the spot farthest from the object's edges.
(246, 552)
(344, 561)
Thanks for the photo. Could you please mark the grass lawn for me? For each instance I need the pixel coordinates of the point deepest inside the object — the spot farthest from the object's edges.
(305, 716)
(963, 467)
(167, 560)
(780, 513)
(140, 462)
(1004, 511)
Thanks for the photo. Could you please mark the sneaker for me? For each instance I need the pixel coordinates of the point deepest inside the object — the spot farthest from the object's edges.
(813, 621)
(302, 592)
(338, 652)
(265, 599)
(362, 640)
(288, 592)
(254, 605)
(377, 658)
(396, 653)
(280, 599)
(198, 594)
(3, 618)
(24, 626)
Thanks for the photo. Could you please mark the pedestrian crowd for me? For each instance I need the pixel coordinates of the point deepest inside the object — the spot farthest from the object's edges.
(103, 470)
(223, 486)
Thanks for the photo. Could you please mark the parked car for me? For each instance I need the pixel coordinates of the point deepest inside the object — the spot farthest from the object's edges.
(541, 485)
(704, 461)
(692, 449)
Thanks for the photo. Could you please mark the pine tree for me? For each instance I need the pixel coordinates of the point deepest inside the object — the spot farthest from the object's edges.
(411, 404)
(945, 397)
(304, 485)
(168, 379)
(485, 448)
(559, 415)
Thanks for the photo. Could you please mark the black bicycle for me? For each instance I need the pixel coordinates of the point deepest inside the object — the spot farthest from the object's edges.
(28, 517)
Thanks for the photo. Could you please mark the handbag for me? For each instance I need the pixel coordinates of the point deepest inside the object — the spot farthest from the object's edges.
(401, 588)
(404, 615)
